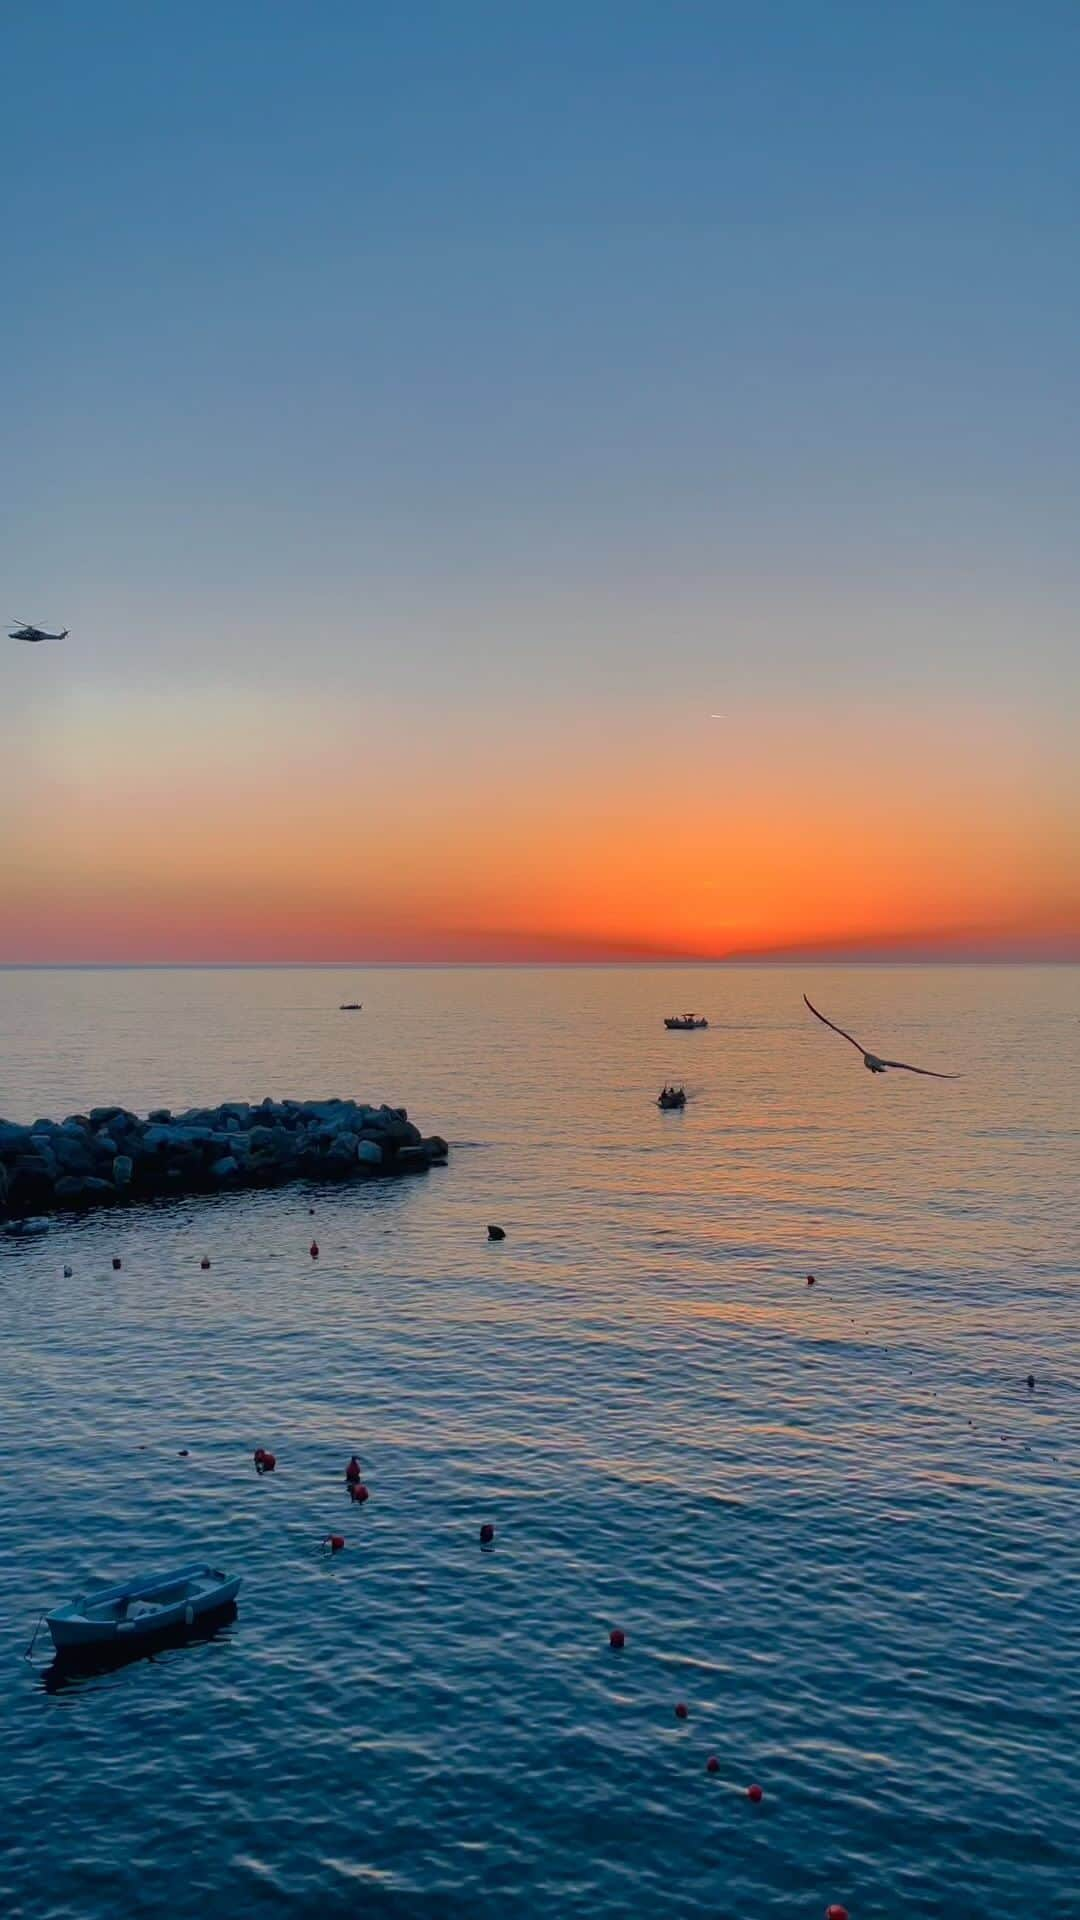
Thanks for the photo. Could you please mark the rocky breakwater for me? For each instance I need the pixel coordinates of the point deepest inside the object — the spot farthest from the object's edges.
(110, 1156)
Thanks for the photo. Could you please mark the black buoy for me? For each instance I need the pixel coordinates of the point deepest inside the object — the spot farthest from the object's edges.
(1031, 1383)
(496, 1233)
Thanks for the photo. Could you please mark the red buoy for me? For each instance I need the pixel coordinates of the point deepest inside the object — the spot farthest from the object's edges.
(260, 1456)
(712, 1764)
(754, 1793)
(681, 1710)
(836, 1912)
(358, 1492)
(116, 1263)
(487, 1533)
(204, 1263)
(352, 1471)
(268, 1463)
(809, 1279)
(617, 1638)
(314, 1249)
(335, 1542)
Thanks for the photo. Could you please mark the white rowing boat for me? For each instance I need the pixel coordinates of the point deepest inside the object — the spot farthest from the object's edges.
(116, 1616)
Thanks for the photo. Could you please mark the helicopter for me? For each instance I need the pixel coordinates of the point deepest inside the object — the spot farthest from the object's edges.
(34, 634)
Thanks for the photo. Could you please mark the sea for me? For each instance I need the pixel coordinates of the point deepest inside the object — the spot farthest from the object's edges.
(835, 1522)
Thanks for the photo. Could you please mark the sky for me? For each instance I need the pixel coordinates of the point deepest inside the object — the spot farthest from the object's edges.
(427, 418)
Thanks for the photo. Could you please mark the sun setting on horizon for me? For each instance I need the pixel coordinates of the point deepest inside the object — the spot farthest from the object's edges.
(156, 835)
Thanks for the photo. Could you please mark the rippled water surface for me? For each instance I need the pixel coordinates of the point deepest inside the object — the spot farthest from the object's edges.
(833, 1520)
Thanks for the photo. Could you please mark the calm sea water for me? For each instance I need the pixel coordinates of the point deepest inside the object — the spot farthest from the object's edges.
(833, 1520)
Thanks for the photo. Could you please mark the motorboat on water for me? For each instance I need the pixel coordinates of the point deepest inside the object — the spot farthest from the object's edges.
(118, 1616)
(671, 1098)
(685, 1022)
(351, 1006)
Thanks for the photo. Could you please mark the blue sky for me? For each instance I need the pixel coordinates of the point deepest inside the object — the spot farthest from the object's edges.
(533, 347)
(313, 296)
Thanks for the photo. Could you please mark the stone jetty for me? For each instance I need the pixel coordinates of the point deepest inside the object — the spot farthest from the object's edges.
(109, 1156)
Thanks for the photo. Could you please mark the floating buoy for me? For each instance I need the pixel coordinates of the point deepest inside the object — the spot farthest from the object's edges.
(358, 1492)
(116, 1263)
(681, 1710)
(616, 1638)
(67, 1273)
(754, 1793)
(809, 1279)
(1031, 1376)
(204, 1263)
(311, 1210)
(260, 1456)
(712, 1764)
(183, 1453)
(352, 1471)
(496, 1233)
(264, 1462)
(314, 1249)
(487, 1533)
(335, 1542)
(836, 1912)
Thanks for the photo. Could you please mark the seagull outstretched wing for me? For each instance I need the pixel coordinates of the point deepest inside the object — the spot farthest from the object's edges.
(931, 1071)
(905, 1066)
(836, 1029)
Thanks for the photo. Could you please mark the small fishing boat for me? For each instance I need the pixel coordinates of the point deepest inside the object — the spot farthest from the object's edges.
(117, 1616)
(671, 1097)
(685, 1022)
(351, 1006)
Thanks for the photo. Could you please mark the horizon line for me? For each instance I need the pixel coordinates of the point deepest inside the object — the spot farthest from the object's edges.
(782, 960)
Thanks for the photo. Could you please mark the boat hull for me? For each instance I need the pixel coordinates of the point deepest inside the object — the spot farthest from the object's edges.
(97, 1621)
(70, 1665)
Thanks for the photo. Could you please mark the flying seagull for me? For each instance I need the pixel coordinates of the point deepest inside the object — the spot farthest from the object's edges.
(871, 1061)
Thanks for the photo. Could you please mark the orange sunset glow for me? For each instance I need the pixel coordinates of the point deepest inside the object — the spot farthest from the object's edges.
(155, 836)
